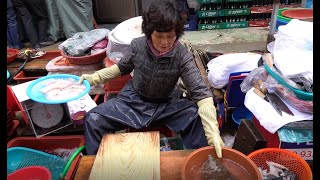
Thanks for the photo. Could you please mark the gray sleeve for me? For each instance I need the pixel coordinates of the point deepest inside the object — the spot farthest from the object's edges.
(126, 62)
(192, 78)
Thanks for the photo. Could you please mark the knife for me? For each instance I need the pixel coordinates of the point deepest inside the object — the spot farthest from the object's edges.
(275, 101)
(278, 104)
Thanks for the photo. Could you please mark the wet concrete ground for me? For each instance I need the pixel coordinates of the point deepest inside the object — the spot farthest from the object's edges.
(221, 40)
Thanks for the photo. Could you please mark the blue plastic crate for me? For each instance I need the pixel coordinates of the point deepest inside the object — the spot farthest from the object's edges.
(191, 25)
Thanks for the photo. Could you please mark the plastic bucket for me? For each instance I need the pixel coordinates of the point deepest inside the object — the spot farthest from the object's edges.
(237, 163)
(241, 113)
(280, 23)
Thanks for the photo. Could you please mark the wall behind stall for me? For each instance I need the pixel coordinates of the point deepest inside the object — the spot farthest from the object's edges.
(115, 11)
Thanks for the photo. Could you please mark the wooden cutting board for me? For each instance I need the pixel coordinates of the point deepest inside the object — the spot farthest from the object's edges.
(125, 156)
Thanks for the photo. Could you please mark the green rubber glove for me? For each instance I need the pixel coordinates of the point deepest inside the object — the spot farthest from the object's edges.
(208, 115)
(102, 76)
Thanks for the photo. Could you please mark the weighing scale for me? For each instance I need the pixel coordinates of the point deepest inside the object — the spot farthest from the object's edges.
(46, 116)
(52, 113)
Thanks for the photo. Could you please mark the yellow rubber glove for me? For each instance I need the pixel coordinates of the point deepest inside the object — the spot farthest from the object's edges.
(102, 76)
(208, 115)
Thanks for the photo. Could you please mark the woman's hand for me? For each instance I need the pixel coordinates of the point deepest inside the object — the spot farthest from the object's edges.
(208, 115)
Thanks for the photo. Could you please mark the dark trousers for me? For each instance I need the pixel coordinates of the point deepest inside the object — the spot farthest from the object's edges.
(35, 19)
(12, 27)
(128, 109)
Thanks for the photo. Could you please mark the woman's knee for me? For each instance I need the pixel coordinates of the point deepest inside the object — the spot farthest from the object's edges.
(90, 119)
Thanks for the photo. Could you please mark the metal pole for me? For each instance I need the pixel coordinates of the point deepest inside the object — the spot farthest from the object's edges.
(273, 21)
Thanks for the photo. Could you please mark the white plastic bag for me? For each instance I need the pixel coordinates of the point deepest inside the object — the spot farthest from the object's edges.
(121, 36)
(293, 48)
(222, 66)
(82, 41)
(296, 34)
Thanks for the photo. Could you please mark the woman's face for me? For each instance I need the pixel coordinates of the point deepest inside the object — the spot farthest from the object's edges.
(163, 41)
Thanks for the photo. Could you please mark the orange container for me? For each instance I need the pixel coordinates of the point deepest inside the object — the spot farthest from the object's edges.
(284, 157)
(115, 85)
(49, 144)
(238, 164)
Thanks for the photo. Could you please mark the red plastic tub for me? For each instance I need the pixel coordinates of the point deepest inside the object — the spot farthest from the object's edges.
(298, 13)
(50, 143)
(25, 76)
(31, 172)
(82, 60)
(21, 77)
(11, 54)
(115, 85)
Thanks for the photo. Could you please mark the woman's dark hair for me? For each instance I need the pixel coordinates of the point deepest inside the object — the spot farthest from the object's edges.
(162, 16)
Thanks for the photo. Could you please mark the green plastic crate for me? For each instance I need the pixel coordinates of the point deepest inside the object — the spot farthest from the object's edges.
(211, 13)
(174, 142)
(210, 26)
(231, 25)
(223, 25)
(235, 12)
(224, 12)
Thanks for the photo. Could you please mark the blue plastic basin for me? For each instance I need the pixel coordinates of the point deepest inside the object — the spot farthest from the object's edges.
(280, 23)
(241, 113)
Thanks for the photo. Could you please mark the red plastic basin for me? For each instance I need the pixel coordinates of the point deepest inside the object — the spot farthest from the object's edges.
(31, 172)
(11, 54)
(82, 60)
(298, 13)
(22, 78)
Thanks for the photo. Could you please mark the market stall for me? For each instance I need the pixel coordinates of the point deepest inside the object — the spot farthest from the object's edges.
(265, 97)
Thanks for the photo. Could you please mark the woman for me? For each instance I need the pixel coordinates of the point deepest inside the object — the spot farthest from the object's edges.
(158, 60)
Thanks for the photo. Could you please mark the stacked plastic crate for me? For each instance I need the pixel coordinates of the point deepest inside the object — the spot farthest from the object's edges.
(261, 11)
(223, 14)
